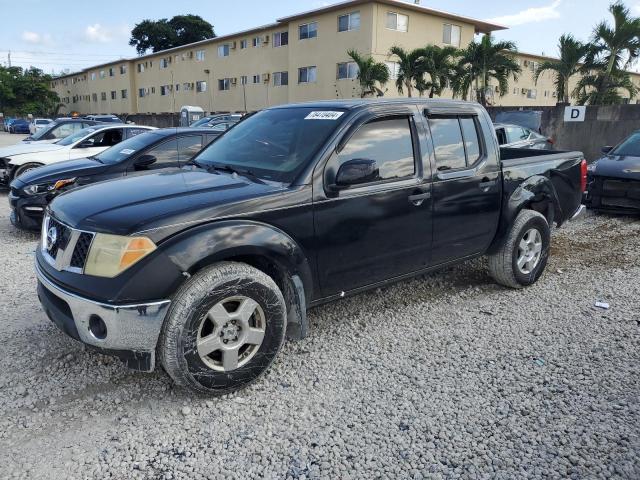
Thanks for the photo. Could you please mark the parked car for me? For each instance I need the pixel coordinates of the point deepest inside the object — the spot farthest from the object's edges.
(104, 118)
(142, 151)
(614, 179)
(19, 126)
(38, 124)
(514, 136)
(84, 143)
(211, 265)
(221, 126)
(6, 122)
(212, 119)
(61, 128)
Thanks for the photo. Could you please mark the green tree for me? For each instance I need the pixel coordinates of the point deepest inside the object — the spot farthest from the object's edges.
(438, 64)
(163, 34)
(572, 54)
(613, 49)
(26, 91)
(411, 68)
(370, 73)
(481, 62)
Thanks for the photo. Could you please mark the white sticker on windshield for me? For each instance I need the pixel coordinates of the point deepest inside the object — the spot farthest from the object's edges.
(324, 115)
(127, 151)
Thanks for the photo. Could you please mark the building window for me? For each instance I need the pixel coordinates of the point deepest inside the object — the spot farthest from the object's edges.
(243, 80)
(153, 89)
(281, 79)
(451, 34)
(307, 75)
(394, 69)
(164, 63)
(164, 90)
(112, 72)
(123, 69)
(187, 87)
(256, 79)
(397, 21)
(140, 67)
(256, 41)
(308, 30)
(201, 86)
(350, 21)
(200, 56)
(114, 95)
(347, 70)
(177, 87)
(123, 94)
(280, 39)
(102, 74)
(94, 97)
(533, 94)
(103, 96)
(93, 75)
(243, 44)
(224, 84)
(223, 50)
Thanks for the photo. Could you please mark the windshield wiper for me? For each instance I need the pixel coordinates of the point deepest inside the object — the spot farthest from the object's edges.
(237, 171)
(197, 164)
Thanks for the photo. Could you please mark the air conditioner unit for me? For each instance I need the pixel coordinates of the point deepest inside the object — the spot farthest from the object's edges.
(266, 77)
(234, 81)
(266, 39)
(232, 45)
(524, 91)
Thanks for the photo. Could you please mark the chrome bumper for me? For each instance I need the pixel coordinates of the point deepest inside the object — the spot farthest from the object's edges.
(134, 328)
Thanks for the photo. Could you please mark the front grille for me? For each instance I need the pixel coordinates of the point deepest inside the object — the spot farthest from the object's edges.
(62, 237)
(79, 257)
(65, 248)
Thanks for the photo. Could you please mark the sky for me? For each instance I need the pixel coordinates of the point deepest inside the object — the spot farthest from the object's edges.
(63, 34)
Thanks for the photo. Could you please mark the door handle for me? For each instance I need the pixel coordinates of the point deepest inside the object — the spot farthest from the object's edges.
(486, 183)
(419, 198)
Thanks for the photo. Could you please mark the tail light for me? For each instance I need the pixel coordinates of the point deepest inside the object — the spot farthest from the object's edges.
(583, 175)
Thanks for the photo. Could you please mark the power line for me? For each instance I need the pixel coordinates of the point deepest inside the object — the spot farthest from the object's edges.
(66, 54)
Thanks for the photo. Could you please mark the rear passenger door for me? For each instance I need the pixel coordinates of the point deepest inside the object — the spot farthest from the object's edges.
(466, 187)
(171, 153)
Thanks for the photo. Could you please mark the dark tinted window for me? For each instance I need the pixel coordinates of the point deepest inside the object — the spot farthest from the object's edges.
(630, 147)
(189, 146)
(127, 148)
(471, 140)
(516, 134)
(447, 143)
(132, 132)
(386, 141)
(166, 154)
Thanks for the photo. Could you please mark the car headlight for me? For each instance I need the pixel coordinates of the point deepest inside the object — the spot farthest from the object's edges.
(110, 255)
(48, 187)
(591, 167)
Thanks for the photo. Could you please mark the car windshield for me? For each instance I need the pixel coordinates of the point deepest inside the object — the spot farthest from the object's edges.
(273, 144)
(42, 133)
(630, 147)
(202, 121)
(124, 150)
(73, 138)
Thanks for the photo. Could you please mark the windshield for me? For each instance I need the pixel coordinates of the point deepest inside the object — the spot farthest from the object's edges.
(124, 150)
(73, 138)
(273, 144)
(630, 147)
(202, 121)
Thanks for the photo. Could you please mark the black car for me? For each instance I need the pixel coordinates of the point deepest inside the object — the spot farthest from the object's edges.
(614, 179)
(211, 265)
(61, 128)
(147, 152)
(515, 136)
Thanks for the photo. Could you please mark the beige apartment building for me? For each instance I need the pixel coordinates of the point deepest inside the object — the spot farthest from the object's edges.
(298, 58)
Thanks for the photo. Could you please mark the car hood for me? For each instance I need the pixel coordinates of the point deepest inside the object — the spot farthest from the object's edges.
(618, 166)
(61, 171)
(160, 200)
(24, 148)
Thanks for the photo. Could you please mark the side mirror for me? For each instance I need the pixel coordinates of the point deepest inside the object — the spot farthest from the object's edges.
(607, 149)
(144, 161)
(357, 171)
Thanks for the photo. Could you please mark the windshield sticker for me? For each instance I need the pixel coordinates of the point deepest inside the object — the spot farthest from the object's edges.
(324, 115)
(127, 151)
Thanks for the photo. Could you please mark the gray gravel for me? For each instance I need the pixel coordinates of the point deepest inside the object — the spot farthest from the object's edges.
(446, 376)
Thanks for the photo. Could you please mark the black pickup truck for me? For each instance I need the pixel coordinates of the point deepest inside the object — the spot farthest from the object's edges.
(207, 268)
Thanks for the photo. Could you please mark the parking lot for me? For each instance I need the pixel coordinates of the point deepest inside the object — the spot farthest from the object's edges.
(443, 376)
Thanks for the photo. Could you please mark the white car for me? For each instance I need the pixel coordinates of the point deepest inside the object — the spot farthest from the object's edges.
(38, 124)
(17, 159)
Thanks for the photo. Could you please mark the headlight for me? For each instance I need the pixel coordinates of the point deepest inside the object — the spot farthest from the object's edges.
(591, 167)
(48, 187)
(110, 255)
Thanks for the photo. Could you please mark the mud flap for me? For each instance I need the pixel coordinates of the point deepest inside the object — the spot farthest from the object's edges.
(297, 322)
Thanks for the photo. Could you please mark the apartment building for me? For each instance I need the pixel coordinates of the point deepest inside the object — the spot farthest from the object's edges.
(297, 58)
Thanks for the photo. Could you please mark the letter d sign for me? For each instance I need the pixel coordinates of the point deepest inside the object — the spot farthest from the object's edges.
(574, 114)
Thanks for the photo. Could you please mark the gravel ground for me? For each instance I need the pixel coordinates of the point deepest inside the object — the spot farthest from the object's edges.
(445, 376)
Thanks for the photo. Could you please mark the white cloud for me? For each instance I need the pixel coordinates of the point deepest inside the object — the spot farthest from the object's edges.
(98, 33)
(35, 38)
(530, 15)
(635, 9)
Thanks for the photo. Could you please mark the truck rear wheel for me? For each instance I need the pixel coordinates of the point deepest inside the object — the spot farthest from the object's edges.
(523, 255)
(224, 329)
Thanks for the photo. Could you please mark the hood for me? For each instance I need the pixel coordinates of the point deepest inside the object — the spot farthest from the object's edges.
(23, 148)
(618, 166)
(61, 171)
(179, 196)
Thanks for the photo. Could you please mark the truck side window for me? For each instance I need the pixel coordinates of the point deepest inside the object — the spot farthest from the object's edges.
(447, 143)
(388, 142)
(471, 140)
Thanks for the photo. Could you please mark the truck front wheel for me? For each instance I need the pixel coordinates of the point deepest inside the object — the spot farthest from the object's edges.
(523, 255)
(224, 329)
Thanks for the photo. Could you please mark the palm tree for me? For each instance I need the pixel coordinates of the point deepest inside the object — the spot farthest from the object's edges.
(572, 54)
(411, 68)
(439, 66)
(370, 72)
(614, 48)
(482, 61)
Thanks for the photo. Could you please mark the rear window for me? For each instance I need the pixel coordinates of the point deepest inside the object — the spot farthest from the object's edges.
(456, 142)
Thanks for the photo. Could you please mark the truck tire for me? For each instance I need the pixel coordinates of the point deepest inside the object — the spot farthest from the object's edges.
(225, 327)
(25, 168)
(523, 255)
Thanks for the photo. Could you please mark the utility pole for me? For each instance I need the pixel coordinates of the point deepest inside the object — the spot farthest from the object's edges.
(9, 58)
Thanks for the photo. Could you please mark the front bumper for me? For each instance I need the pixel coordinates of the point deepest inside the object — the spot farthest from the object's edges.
(129, 332)
(27, 212)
